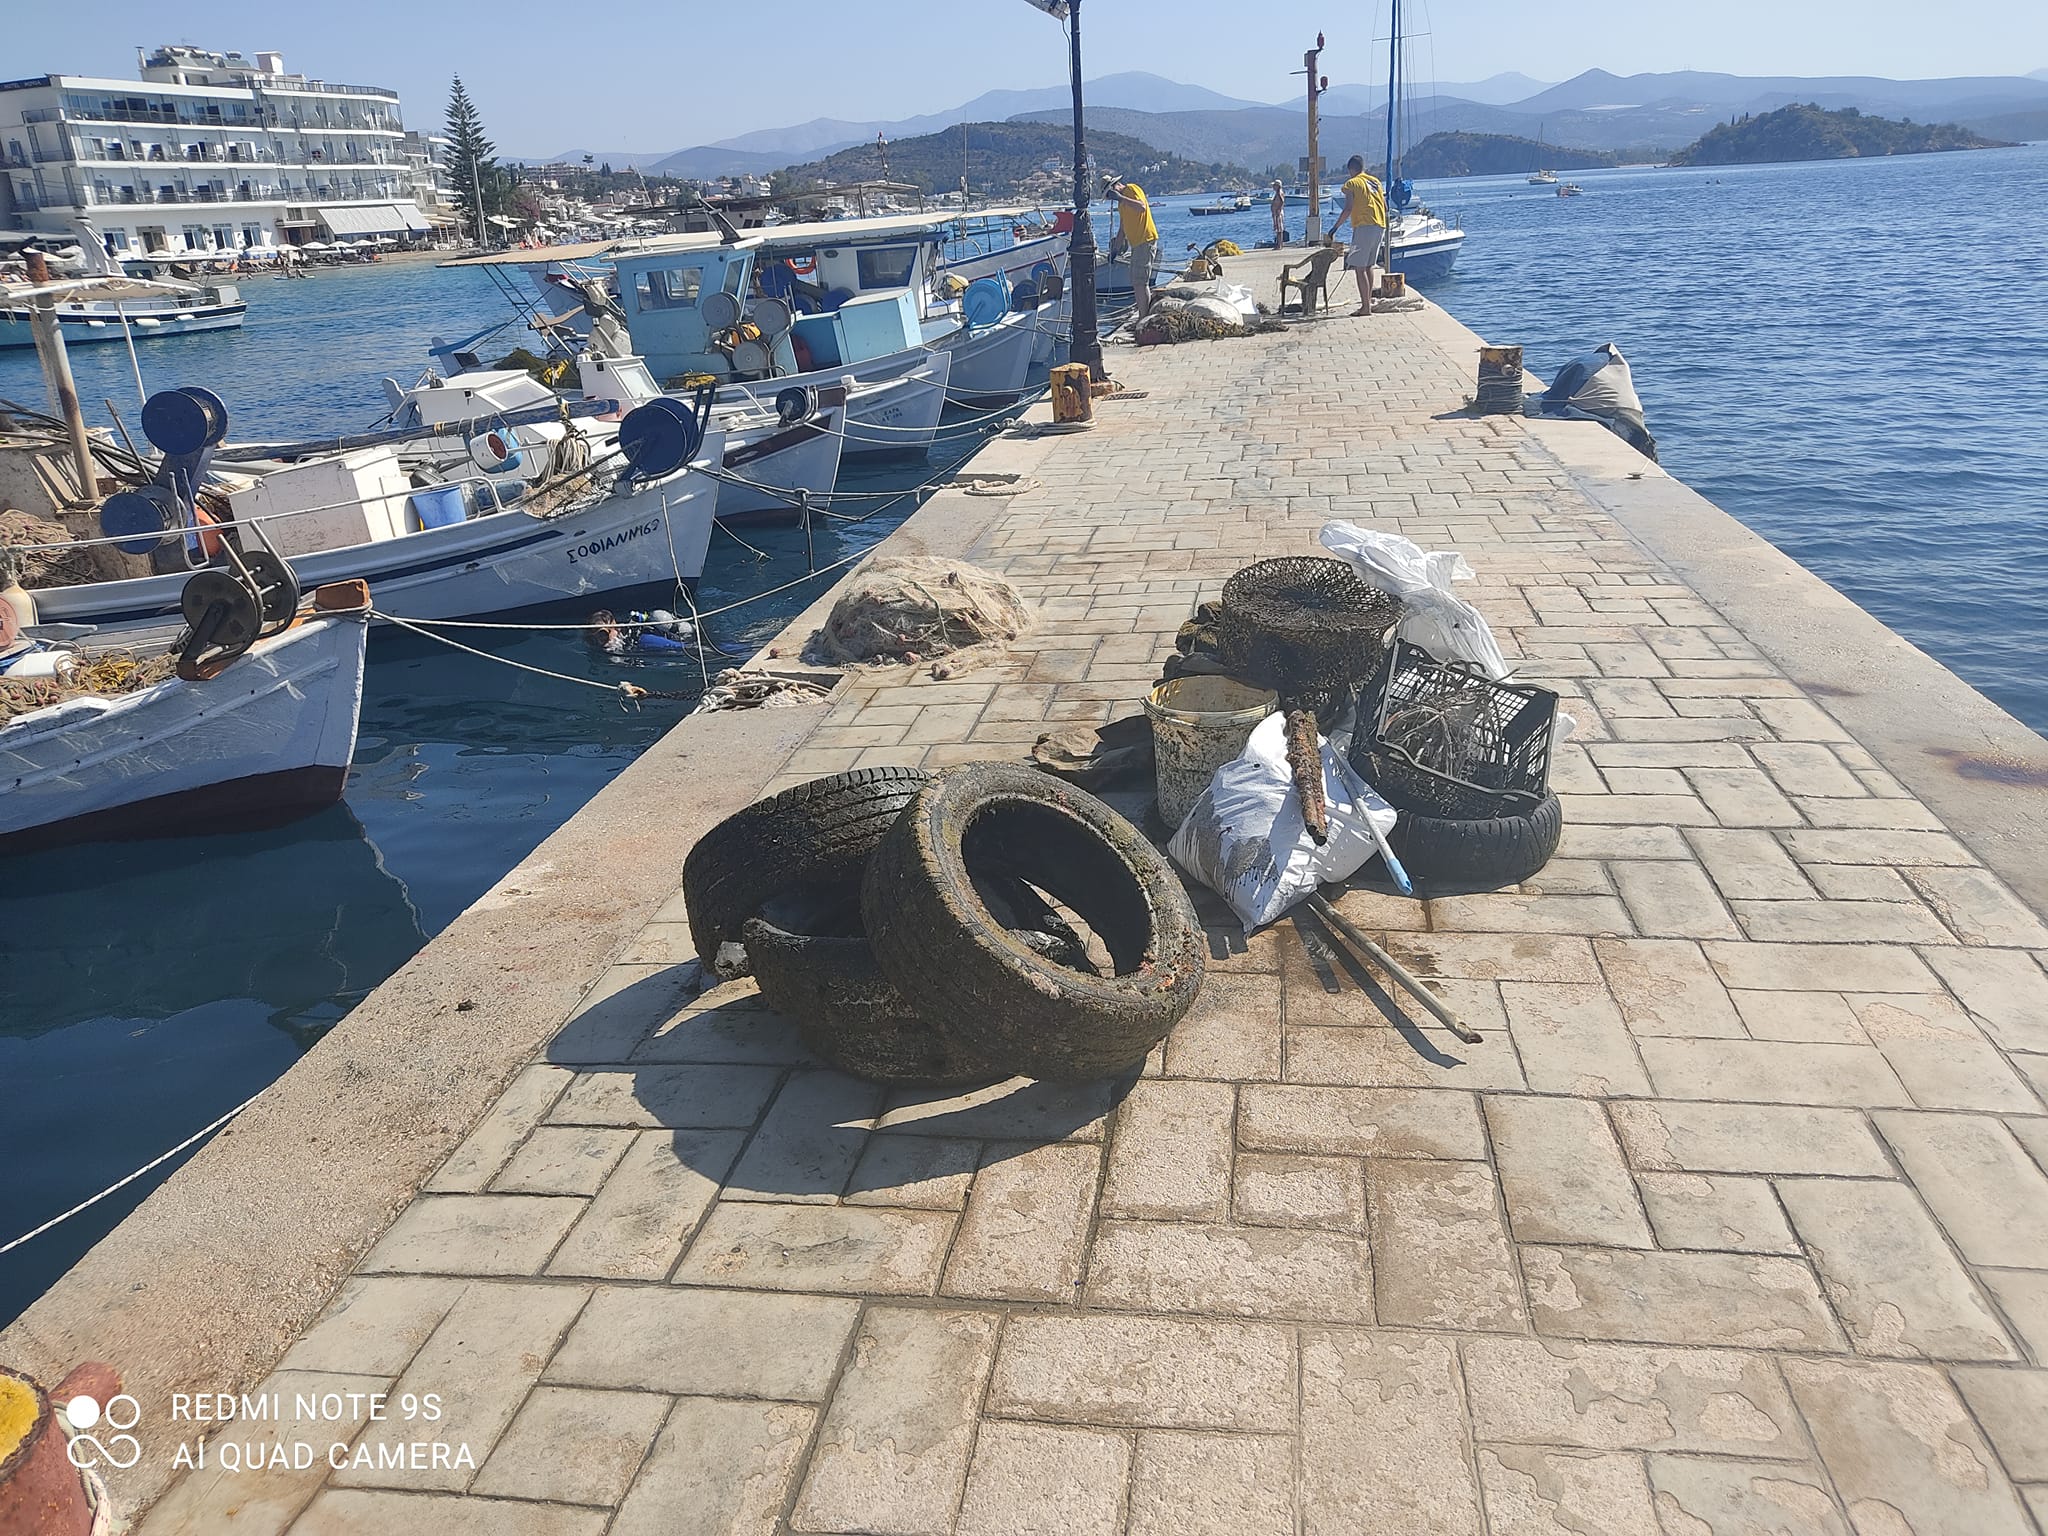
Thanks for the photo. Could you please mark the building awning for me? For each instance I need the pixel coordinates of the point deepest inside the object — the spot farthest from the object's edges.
(373, 219)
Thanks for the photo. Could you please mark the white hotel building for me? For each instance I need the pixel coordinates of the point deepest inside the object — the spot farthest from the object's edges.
(207, 152)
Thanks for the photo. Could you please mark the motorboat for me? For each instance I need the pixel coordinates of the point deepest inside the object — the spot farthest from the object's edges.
(255, 725)
(94, 299)
(1543, 179)
(1570, 189)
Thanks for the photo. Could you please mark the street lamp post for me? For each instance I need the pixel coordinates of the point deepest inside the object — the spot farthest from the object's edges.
(1086, 346)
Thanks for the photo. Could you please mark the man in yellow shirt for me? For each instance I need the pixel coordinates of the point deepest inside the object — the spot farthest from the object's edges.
(1365, 205)
(1139, 232)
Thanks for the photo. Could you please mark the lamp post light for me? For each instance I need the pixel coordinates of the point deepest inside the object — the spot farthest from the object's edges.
(1086, 346)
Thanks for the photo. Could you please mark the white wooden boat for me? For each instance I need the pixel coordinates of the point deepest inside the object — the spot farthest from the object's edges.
(266, 740)
(215, 307)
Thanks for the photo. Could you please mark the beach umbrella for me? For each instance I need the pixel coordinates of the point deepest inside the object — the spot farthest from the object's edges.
(314, 245)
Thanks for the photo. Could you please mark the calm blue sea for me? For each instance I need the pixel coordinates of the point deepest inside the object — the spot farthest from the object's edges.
(1847, 356)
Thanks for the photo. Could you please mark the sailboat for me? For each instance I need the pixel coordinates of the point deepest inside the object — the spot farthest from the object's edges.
(1541, 177)
(1421, 246)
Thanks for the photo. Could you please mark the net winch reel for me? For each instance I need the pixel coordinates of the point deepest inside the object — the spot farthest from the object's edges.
(665, 434)
(228, 608)
(162, 519)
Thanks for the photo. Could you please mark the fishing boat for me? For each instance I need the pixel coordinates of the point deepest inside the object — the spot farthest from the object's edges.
(234, 737)
(1236, 204)
(85, 293)
(486, 517)
(1543, 179)
(1421, 245)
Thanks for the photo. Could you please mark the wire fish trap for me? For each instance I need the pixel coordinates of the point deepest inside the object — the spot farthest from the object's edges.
(1305, 626)
(1446, 741)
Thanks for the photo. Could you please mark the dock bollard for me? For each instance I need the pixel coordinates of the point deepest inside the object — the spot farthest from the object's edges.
(1072, 400)
(1500, 382)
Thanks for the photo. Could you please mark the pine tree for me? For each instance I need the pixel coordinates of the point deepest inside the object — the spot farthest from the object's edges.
(472, 159)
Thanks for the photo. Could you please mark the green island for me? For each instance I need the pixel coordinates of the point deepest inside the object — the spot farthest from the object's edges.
(1806, 132)
(1018, 158)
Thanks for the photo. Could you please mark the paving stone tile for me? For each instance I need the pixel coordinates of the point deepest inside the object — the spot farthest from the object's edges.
(919, 1171)
(1442, 1258)
(1799, 720)
(639, 1221)
(1570, 877)
(1839, 922)
(1860, 882)
(1978, 908)
(1495, 957)
(1629, 1397)
(473, 1164)
(1045, 1480)
(1888, 1273)
(473, 1235)
(679, 1098)
(807, 1145)
(264, 1500)
(374, 1325)
(1531, 914)
(1562, 1173)
(1959, 1074)
(1376, 1122)
(1408, 1057)
(719, 1469)
(1771, 1071)
(1870, 815)
(571, 1446)
(1594, 841)
(1743, 797)
(1700, 1496)
(1281, 1189)
(1888, 1016)
(1015, 1108)
(563, 1160)
(1666, 987)
(1165, 1373)
(1572, 1040)
(2012, 1406)
(1820, 968)
(706, 1343)
(1981, 1186)
(1535, 1491)
(1819, 1018)
(1748, 1138)
(1212, 1485)
(362, 1511)
(861, 1249)
(2022, 1295)
(1670, 899)
(628, 1003)
(1266, 1272)
(2035, 1070)
(2007, 991)
(1026, 1228)
(482, 1361)
(1855, 845)
(1384, 1445)
(1748, 1300)
(1231, 1034)
(1171, 1154)
(892, 1455)
(1722, 1212)
(1902, 1451)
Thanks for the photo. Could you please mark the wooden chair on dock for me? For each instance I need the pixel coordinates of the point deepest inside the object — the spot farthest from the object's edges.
(1313, 282)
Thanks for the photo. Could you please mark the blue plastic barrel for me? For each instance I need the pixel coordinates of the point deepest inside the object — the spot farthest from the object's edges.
(441, 507)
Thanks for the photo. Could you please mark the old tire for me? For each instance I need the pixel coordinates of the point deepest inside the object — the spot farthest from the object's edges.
(1448, 857)
(936, 939)
(814, 967)
(815, 834)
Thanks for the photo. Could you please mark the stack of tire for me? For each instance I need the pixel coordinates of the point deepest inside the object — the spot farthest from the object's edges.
(911, 924)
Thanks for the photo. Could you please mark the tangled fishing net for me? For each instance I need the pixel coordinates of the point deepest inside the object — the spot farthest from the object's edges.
(909, 608)
(102, 675)
(41, 567)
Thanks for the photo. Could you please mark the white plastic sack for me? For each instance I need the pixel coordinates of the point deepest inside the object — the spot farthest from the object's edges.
(1217, 309)
(1432, 616)
(1245, 838)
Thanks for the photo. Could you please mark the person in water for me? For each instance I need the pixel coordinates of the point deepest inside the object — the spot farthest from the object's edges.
(1279, 216)
(1139, 232)
(1365, 206)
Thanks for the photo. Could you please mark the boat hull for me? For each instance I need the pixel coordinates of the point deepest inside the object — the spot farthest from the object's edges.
(990, 366)
(266, 741)
(82, 329)
(893, 422)
(1428, 259)
(766, 465)
(506, 562)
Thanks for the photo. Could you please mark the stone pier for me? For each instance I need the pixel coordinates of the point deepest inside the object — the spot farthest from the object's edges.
(1735, 1222)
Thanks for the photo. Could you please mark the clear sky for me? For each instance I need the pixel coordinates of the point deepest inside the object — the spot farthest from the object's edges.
(551, 75)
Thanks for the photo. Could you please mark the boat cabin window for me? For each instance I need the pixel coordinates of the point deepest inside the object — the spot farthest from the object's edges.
(885, 266)
(669, 288)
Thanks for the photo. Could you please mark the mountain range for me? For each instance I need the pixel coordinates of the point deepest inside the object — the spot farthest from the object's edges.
(1596, 110)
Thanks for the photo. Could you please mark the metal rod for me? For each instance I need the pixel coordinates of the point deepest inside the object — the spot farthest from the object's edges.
(1368, 950)
(134, 362)
(1086, 345)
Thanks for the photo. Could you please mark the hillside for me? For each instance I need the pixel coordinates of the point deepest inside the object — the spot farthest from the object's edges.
(1810, 133)
(1496, 154)
(1011, 158)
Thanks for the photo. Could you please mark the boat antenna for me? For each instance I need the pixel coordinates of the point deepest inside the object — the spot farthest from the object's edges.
(1393, 89)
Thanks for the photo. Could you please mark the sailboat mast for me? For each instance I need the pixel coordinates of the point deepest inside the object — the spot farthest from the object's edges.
(1393, 90)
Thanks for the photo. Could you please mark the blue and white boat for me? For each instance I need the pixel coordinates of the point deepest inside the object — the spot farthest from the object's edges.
(1422, 246)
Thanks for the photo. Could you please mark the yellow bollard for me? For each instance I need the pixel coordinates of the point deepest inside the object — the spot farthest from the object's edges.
(1072, 401)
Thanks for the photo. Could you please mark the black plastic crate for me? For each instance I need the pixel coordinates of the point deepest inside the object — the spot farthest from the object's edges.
(1440, 738)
